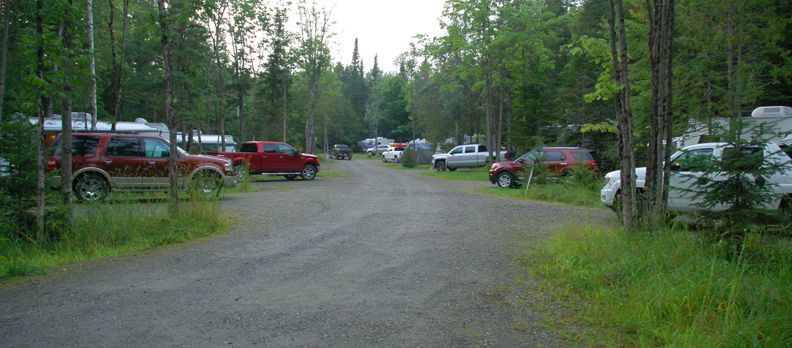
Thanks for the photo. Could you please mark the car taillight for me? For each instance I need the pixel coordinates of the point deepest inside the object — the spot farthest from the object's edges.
(592, 164)
(52, 164)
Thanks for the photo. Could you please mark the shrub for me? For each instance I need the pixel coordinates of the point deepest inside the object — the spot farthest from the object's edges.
(409, 158)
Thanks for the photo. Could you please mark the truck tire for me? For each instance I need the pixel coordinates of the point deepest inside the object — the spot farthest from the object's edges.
(90, 187)
(207, 184)
(505, 179)
(308, 172)
(440, 166)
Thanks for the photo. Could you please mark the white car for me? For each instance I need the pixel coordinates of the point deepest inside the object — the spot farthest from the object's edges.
(686, 168)
(393, 154)
(373, 151)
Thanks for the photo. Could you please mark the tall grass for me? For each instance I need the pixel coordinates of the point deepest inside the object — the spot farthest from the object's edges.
(462, 174)
(671, 288)
(110, 229)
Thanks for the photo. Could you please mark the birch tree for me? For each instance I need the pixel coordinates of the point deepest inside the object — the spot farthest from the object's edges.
(314, 56)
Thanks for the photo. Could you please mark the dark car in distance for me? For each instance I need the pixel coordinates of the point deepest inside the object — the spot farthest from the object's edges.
(560, 161)
(341, 151)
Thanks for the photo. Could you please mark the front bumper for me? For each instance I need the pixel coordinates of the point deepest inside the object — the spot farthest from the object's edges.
(607, 195)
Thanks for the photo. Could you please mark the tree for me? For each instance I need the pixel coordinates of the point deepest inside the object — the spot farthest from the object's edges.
(4, 53)
(661, 31)
(314, 57)
(172, 159)
(274, 82)
(92, 65)
(216, 15)
(623, 114)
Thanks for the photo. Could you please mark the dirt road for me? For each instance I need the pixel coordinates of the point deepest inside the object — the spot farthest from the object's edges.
(382, 257)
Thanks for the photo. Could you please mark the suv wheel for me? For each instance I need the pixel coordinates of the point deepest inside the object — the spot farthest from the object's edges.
(90, 188)
(207, 184)
(308, 172)
(505, 179)
(440, 166)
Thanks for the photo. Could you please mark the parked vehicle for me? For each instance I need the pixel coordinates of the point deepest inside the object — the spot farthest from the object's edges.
(776, 121)
(393, 154)
(341, 151)
(689, 164)
(273, 158)
(116, 162)
(463, 156)
(378, 150)
(560, 160)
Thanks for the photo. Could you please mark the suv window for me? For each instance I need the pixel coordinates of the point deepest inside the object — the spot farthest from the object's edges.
(470, 149)
(156, 148)
(124, 147)
(249, 147)
(270, 148)
(82, 146)
(582, 155)
(554, 156)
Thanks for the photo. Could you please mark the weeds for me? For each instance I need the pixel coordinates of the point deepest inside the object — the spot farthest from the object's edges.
(671, 287)
(111, 229)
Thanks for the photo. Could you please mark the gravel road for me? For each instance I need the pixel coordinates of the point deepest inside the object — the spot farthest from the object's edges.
(381, 257)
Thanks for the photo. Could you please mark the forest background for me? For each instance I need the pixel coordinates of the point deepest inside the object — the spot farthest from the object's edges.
(523, 72)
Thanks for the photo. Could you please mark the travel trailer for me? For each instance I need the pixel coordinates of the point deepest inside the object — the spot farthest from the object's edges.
(777, 120)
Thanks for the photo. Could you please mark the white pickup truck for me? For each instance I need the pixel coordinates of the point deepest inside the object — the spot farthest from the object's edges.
(684, 175)
(463, 156)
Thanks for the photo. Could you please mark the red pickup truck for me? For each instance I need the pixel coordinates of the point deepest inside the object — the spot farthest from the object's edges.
(273, 158)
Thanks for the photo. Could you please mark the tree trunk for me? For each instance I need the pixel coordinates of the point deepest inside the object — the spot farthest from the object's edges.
(66, 117)
(92, 65)
(4, 53)
(113, 62)
(624, 116)
(40, 126)
(120, 78)
(285, 105)
(172, 164)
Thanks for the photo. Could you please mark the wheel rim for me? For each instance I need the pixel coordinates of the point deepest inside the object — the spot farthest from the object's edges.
(90, 189)
(208, 185)
(504, 180)
(308, 172)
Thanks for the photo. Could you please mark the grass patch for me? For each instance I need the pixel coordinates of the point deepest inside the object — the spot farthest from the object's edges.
(669, 288)
(462, 174)
(111, 229)
(398, 166)
(550, 192)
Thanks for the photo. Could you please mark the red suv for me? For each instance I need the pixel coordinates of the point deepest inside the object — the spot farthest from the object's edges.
(105, 162)
(560, 160)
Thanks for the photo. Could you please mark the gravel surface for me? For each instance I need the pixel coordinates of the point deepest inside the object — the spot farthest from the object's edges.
(382, 257)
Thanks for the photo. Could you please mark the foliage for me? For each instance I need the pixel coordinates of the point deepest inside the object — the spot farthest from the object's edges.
(669, 288)
(409, 158)
(97, 233)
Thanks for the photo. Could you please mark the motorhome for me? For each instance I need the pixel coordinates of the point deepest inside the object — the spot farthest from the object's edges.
(776, 119)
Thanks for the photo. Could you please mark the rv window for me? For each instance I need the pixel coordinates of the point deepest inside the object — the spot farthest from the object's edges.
(249, 147)
(124, 147)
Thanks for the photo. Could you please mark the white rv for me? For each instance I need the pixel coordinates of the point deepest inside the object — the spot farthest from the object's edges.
(778, 120)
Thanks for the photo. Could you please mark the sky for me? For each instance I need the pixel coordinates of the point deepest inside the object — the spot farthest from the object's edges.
(382, 27)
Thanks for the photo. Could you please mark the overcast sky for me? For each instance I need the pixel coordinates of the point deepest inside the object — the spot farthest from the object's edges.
(383, 27)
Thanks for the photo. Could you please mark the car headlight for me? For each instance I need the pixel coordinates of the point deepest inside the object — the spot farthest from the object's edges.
(228, 167)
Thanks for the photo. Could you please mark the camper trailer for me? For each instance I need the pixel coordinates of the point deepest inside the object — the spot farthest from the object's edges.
(776, 119)
(208, 142)
(81, 122)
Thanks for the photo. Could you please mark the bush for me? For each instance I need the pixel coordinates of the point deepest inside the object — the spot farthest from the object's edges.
(671, 288)
(409, 158)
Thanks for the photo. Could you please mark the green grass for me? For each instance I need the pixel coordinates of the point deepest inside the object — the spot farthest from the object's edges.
(398, 166)
(111, 229)
(462, 174)
(668, 288)
(572, 190)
